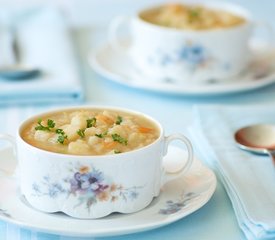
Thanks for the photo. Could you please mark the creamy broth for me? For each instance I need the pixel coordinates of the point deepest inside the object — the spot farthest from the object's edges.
(90, 132)
(193, 17)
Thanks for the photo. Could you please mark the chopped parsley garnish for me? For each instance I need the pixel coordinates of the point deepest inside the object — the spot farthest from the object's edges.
(194, 14)
(50, 125)
(117, 151)
(117, 138)
(81, 133)
(91, 122)
(101, 135)
(60, 131)
(61, 138)
(118, 120)
(61, 135)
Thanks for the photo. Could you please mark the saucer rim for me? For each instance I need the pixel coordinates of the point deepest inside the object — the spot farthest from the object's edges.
(203, 199)
(177, 89)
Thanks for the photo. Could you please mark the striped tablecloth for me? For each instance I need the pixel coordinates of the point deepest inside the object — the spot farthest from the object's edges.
(13, 232)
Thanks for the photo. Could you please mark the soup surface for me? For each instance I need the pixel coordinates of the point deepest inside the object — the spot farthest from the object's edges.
(90, 132)
(194, 17)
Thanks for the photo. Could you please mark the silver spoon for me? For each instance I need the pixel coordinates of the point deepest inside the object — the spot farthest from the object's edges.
(13, 69)
(17, 72)
(259, 138)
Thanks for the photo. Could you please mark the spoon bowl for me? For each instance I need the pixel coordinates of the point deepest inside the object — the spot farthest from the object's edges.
(18, 72)
(259, 138)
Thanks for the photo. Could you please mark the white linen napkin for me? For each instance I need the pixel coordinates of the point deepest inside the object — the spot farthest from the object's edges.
(248, 179)
(44, 42)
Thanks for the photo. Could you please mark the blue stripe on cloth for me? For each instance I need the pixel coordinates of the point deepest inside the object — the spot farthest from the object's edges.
(3, 230)
(45, 236)
(25, 234)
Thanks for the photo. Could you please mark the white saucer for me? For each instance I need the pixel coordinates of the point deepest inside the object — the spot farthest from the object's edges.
(178, 199)
(118, 67)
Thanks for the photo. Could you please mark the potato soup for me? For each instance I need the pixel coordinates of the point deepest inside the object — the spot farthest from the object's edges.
(90, 132)
(192, 17)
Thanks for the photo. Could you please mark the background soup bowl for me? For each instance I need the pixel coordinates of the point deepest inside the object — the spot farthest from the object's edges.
(186, 56)
(94, 186)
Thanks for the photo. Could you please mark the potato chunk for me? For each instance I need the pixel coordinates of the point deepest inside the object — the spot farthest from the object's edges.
(94, 140)
(92, 131)
(79, 147)
(71, 132)
(118, 129)
(79, 121)
(42, 135)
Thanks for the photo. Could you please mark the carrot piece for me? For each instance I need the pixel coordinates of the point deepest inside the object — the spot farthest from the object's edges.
(145, 130)
(110, 145)
(105, 119)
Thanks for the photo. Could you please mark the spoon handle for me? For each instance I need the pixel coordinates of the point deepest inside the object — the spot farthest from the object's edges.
(272, 156)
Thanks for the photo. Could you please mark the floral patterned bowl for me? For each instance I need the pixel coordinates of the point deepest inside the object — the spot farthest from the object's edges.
(186, 56)
(94, 186)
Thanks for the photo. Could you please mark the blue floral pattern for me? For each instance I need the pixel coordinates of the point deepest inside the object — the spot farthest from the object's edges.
(88, 185)
(194, 55)
(175, 206)
(51, 188)
(5, 213)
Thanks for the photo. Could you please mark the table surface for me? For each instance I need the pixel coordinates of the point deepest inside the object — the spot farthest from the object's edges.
(216, 219)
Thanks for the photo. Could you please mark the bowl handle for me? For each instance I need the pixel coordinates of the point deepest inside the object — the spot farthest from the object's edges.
(4, 171)
(115, 41)
(270, 37)
(169, 176)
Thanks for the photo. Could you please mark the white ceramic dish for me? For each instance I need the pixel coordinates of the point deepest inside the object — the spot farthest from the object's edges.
(172, 204)
(118, 67)
(186, 55)
(94, 186)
